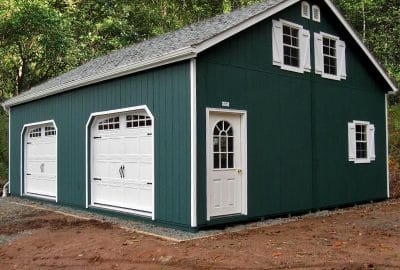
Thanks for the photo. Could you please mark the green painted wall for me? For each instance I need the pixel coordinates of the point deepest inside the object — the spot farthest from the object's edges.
(166, 91)
(297, 123)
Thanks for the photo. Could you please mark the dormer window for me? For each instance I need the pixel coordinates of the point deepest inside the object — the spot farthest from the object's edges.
(291, 46)
(305, 10)
(316, 14)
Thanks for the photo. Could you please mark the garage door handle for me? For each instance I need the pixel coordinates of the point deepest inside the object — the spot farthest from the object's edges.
(149, 183)
(97, 179)
(148, 134)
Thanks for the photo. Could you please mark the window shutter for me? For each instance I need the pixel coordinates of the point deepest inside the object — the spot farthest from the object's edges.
(341, 50)
(352, 141)
(305, 50)
(371, 142)
(319, 60)
(277, 43)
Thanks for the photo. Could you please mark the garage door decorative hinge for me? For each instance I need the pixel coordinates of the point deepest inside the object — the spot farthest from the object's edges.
(28, 174)
(97, 179)
(96, 137)
(28, 143)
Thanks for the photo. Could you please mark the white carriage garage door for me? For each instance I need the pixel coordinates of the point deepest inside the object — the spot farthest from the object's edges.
(40, 168)
(122, 162)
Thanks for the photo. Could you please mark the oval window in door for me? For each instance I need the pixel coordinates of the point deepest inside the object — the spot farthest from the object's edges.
(223, 154)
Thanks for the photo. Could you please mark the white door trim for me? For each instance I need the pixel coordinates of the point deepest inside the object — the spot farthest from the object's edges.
(89, 155)
(23, 160)
(243, 115)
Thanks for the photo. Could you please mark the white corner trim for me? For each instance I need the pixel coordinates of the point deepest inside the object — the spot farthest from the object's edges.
(9, 151)
(387, 147)
(88, 155)
(193, 143)
(22, 158)
(361, 44)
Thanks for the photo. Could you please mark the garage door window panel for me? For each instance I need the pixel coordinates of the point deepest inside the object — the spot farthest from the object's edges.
(109, 124)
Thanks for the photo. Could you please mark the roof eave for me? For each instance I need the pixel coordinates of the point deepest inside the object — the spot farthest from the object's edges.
(175, 56)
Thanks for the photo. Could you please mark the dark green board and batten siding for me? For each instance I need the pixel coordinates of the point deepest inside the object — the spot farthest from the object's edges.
(297, 138)
(166, 92)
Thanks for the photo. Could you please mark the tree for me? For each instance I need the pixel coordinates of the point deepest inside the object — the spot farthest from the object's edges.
(34, 44)
(377, 21)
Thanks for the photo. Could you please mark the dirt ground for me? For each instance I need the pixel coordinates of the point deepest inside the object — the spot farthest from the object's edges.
(366, 237)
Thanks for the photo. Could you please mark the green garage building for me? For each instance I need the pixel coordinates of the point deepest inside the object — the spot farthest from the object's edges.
(272, 109)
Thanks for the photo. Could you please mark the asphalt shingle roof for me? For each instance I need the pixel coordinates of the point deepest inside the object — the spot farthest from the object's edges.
(192, 35)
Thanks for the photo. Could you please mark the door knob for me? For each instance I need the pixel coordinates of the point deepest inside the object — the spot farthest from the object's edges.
(239, 170)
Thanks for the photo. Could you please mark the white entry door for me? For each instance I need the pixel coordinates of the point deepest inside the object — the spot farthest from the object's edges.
(122, 162)
(40, 171)
(225, 183)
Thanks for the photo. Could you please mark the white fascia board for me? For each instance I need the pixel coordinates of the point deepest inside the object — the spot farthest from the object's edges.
(361, 44)
(244, 25)
(175, 56)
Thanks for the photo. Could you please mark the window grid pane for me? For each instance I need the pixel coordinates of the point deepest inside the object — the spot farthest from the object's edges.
(223, 154)
(137, 120)
(361, 141)
(329, 56)
(291, 46)
(109, 124)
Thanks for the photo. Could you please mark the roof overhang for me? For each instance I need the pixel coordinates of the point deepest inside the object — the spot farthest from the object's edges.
(191, 52)
(173, 57)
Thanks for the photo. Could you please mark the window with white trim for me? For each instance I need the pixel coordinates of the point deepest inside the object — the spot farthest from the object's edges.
(361, 136)
(290, 46)
(330, 56)
(137, 120)
(49, 131)
(305, 10)
(316, 13)
(37, 132)
(329, 53)
(223, 153)
(109, 124)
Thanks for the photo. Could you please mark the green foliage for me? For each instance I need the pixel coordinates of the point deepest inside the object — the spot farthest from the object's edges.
(33, 44)
(377, 21)
(394, 133)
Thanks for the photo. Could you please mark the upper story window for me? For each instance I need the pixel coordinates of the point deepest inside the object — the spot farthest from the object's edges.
(329, 53)
(361, 137)
(138, 120)
(316, 13)
(291, 49)
(37, 132)
(305, 10)
(291, 46)
(109, 124)
(49, 131)
(330, 56)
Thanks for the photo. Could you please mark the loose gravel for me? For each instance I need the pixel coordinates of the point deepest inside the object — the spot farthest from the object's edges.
(12, 208)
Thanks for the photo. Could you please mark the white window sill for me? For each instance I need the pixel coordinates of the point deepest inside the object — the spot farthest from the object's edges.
(293, 69)
(362, 160)
(330, 77)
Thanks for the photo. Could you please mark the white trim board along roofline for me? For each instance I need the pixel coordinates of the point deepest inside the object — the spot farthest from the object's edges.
(188, 52)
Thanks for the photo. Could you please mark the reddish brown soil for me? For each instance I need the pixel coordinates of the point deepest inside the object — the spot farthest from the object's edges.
(366, 238)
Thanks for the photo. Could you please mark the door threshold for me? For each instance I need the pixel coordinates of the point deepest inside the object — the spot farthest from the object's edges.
(40, 196)
(227, 216)
(124, 210)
